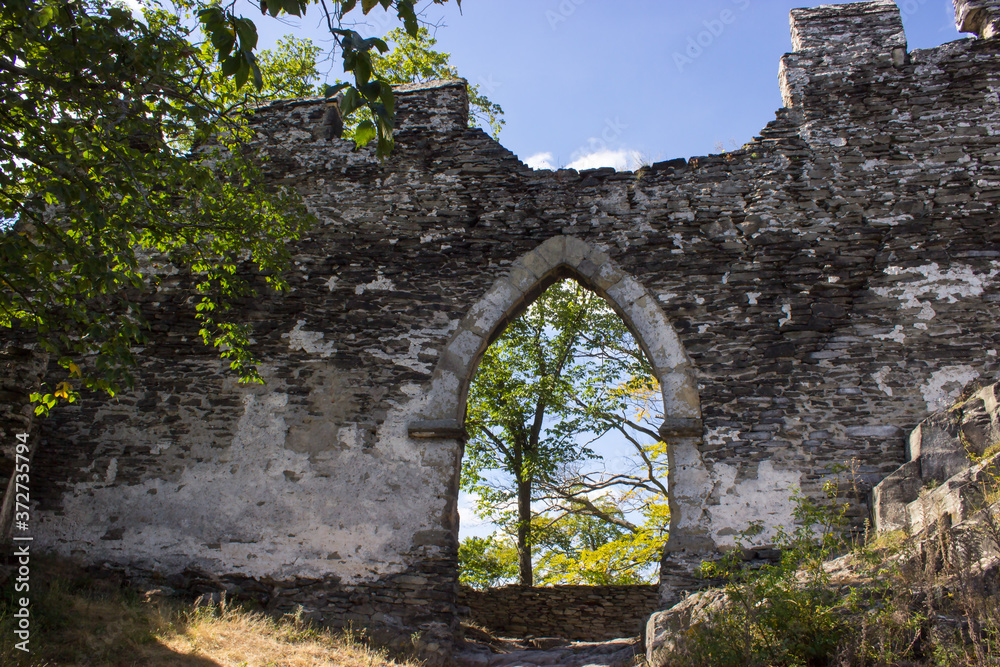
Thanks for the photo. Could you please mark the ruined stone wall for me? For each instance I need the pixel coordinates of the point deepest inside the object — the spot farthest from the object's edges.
(577, 613)
(804, 300)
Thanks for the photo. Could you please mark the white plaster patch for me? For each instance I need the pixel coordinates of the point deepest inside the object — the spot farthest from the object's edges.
(109, 476)
(767, 499)
(880, 377)
(896, 334)
(161, 446)
(297, 526)
(721, 435)
(958, 282)
(752, 298)
(892, 220)
(944, 386)
(380, 284)
(332, 283)
(310, 342)
(418, 340)
(787, 310)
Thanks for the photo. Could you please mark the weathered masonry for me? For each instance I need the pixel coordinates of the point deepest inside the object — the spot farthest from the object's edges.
(805, 301)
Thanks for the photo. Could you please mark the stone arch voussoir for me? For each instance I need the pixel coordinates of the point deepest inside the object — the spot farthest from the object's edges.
(557, 258)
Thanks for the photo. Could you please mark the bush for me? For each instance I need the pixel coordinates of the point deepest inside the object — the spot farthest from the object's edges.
(931, 602)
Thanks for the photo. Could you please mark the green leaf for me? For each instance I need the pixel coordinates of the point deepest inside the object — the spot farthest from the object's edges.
(377, 43)
(362, 69)
(368, 5)
(293, 7)
(231, 65)
(272, 7)
(389, 102)
(247, 32)
(258, 79)
(407, 14)
(364, 133)
(224, 39)
(45, 15)
(351, 102)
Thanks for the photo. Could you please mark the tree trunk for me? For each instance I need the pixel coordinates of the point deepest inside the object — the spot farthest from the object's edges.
(524, 532)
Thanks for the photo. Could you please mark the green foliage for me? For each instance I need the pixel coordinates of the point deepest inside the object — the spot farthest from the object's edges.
(486, 562)
(232, 37)
(587, 549)
(121, 153)
(906, 604)
(567, 368)
(785, 613)
(100, 111)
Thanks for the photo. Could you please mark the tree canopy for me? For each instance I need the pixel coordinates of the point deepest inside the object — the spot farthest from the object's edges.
(559, 377)
(121, 151)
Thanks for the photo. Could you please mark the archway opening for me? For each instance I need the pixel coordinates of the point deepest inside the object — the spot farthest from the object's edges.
(564, 476)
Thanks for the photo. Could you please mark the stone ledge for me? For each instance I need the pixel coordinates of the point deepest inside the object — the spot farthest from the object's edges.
(680, 428)
(437, 428)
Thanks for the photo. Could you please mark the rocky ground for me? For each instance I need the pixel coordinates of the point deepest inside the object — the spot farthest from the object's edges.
(484, 650)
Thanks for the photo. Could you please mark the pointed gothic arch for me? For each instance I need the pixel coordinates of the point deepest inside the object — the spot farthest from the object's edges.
(561, 257)
(443, 413)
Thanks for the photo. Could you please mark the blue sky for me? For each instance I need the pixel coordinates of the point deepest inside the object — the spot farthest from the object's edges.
(591, 83)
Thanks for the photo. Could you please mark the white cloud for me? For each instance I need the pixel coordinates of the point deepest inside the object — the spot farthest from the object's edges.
(622, 159)
(540, 161)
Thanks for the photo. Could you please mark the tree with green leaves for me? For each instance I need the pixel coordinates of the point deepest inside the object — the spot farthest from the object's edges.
(579, 547)
(235, 38)
(122, 149)
(566, 370)
(101, 112)
(486, 562)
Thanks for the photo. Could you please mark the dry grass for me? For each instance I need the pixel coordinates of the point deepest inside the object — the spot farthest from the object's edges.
(77, 620)
(238, 637)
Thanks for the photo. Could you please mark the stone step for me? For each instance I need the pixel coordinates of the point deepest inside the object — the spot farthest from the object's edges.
(957, 499)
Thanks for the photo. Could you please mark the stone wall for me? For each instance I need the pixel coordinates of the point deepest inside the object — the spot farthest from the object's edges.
(578, 613)
(805, 300)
